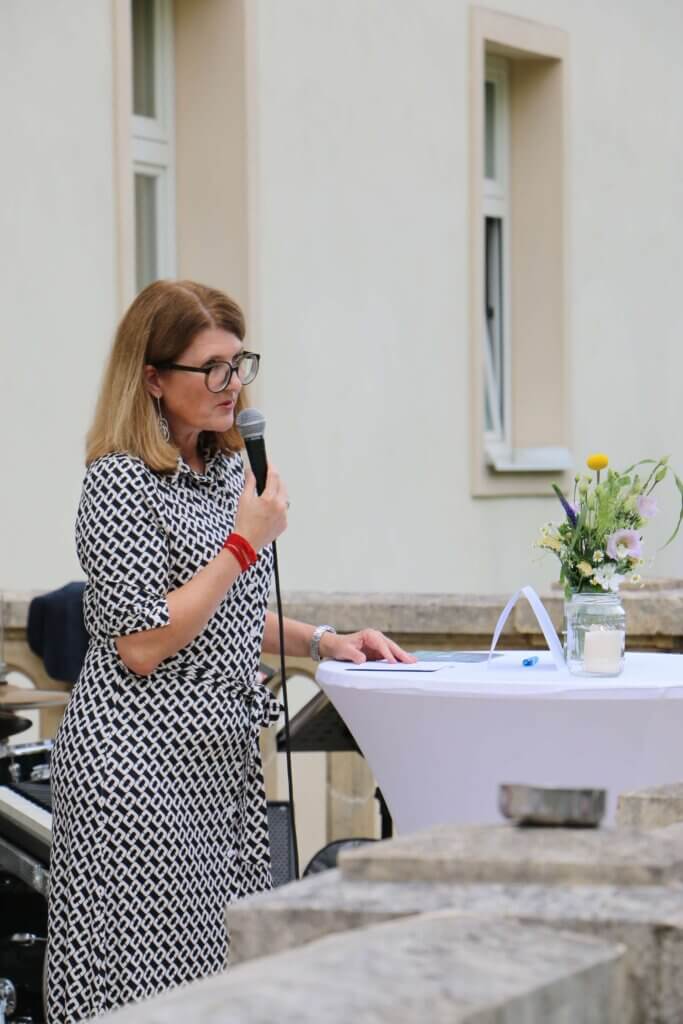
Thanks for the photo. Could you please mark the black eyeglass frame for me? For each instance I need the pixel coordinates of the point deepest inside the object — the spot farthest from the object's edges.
(206, 370)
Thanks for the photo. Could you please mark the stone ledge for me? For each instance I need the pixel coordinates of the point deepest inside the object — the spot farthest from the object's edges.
(326, 903)
(653, 610)
(504, 853)
(656, 807)
(656, 610)
(440, 968)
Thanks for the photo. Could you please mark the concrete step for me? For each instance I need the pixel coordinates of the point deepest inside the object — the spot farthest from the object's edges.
(648, 920)
(438, 968)
(506, 853)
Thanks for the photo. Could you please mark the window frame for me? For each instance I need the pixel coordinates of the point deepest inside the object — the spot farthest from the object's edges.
(496, 205)
(539, 455)
(153, 142)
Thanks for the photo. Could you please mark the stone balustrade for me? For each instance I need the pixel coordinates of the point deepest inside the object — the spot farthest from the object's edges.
(486, 924)
(416, 621)
(654, 616)
(620, 886)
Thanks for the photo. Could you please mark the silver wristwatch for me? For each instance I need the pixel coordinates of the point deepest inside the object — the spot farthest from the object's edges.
(316, 638)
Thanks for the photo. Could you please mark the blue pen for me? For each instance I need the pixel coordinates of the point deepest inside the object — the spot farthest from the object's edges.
(530, 662)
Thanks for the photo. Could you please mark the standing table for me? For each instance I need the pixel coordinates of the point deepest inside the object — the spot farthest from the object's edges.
(440, 742)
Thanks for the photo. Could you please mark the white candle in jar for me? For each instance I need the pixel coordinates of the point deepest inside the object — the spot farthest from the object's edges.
(602, 650)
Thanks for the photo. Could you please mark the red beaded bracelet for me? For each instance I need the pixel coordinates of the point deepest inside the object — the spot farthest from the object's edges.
(242, 550)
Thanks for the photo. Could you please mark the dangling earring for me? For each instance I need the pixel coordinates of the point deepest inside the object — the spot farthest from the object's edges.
(163, 423)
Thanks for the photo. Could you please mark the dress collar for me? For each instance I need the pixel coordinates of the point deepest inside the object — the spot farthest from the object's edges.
(210, 466)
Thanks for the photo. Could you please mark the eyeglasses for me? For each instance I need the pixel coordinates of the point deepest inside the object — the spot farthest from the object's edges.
(218, 375)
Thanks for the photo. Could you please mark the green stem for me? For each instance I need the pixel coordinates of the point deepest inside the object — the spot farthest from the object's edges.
(645, 485)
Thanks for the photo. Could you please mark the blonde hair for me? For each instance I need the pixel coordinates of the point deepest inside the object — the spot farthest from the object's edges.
(158, 326)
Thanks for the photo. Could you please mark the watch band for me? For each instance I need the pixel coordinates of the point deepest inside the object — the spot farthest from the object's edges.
(316, 638)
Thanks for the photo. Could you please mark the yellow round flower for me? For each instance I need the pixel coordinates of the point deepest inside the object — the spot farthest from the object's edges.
(597, 461)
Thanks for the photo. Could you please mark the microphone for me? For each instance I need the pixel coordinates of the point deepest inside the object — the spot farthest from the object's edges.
(252, 424)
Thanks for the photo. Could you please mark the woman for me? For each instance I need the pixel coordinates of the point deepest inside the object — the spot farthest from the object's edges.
(159, 808)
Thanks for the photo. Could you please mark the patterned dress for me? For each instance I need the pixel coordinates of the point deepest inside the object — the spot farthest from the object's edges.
(159, 815)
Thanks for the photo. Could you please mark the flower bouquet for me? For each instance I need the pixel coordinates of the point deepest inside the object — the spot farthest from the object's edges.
(599, 545)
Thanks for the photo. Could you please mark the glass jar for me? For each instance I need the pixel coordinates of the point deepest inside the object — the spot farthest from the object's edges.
(596, 634)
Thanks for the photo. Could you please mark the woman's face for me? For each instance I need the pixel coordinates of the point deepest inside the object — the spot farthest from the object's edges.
(187, 403)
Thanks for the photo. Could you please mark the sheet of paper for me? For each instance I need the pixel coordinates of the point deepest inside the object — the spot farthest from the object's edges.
(397, 666)
(543, 619)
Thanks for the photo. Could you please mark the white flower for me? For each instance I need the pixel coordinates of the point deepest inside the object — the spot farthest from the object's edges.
(598, 556)
(608, 578)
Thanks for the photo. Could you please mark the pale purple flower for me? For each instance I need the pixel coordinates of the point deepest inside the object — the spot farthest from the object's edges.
(623, 544)
(647, 506)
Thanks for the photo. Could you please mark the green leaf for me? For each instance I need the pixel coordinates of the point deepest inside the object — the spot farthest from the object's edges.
(679, 485)
(643, 462)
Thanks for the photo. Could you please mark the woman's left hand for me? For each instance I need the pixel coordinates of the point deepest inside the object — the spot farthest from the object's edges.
(365, 645)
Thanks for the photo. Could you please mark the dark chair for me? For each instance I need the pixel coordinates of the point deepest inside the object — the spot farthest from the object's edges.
(327, 857)
(56, 632)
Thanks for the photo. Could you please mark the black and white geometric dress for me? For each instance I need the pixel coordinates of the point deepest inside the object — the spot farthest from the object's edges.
(159, 815)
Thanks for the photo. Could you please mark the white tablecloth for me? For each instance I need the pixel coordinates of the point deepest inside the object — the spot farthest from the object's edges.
(440, 743)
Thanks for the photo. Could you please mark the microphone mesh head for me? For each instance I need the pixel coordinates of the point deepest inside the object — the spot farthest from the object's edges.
(250, 423)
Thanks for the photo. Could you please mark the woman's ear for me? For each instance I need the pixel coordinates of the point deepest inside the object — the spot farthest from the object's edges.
(152, 382)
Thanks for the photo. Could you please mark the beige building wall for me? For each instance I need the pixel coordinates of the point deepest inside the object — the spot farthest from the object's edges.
(350, 185)
(362, 193)
(58, 280)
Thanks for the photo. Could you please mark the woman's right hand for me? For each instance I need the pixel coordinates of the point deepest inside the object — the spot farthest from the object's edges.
(262, 518)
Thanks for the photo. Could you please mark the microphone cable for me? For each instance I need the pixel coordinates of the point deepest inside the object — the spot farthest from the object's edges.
(285, 700)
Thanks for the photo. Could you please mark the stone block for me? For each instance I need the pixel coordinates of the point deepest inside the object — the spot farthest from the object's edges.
(656, 807)
(648, 920)
(505, 853)
(439, 968)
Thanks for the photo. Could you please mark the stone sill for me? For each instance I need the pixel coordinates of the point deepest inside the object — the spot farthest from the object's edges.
(654, 610)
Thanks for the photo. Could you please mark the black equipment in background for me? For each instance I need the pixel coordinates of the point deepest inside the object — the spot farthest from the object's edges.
(12, 725)
(25, 831)
(281, 842)
(317, 726)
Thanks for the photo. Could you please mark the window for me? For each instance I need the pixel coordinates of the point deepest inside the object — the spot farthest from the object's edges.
(153, 140)
(518, 287)
(496, 224)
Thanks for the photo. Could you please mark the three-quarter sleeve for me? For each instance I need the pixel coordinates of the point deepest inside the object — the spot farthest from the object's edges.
(123, 547)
